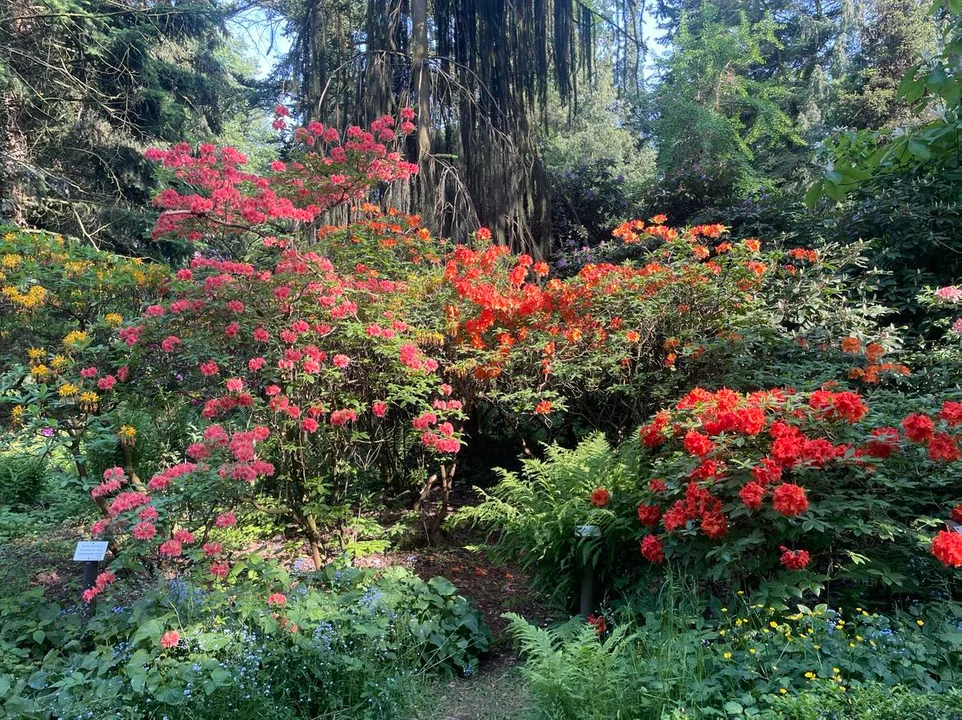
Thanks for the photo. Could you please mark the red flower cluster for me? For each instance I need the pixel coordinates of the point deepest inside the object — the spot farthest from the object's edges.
(600, 497)
(652, 549)
(794, 559)
(789, 499)
(947, 548)
(325, 173)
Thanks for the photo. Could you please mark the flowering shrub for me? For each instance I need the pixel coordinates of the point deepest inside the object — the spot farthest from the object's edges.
(60, 305)
(321, 366)
(221, 204)
(790, 488)
(777, 468)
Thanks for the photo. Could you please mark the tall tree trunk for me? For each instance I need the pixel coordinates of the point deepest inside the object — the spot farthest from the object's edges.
(14, 161)
(421, 73)
(14, 151)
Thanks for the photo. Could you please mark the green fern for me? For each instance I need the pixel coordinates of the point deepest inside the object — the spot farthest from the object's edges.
(530, 516)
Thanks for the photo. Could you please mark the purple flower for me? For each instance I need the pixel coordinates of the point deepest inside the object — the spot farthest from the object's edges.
(47, 432)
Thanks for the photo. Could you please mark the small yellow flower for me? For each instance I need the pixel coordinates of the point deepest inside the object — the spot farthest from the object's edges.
(40, 371)
(723, 632)
(810, 675)
(127, 434)
(859, 638)
(740, 592)
(920, 623)
(75, 337)
(842, 688)
(17, 414)
(836, 670)
(67, 390)
(773, 624)
(752, 651)
(724, 609)
(89, 400)
(851, 645)
(727, 656)
(59, 362)
(782, 690)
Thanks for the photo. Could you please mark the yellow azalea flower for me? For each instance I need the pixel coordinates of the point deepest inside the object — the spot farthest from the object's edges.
(11, 261)
(113, 319)
(36, 353)
(40, 371)
(17, 414)
(59, 362)
(67, 390)
(75, 337)
(89, 400)
(127, 433)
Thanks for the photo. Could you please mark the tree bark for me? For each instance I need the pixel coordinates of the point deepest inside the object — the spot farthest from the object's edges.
(14, 150)
(421, 73)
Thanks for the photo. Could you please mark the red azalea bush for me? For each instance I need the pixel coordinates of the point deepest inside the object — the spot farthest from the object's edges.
(777, 489)
(740, 476)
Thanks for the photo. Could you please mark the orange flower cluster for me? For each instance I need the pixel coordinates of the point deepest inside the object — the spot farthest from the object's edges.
(874, 370)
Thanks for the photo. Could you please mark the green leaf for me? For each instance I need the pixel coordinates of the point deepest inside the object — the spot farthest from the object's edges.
(919, 149)
(814, 194)
(442, 586)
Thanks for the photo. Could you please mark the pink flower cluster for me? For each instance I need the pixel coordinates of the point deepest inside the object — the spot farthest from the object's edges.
(100, 584)
(113, 478)
(325, 174)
